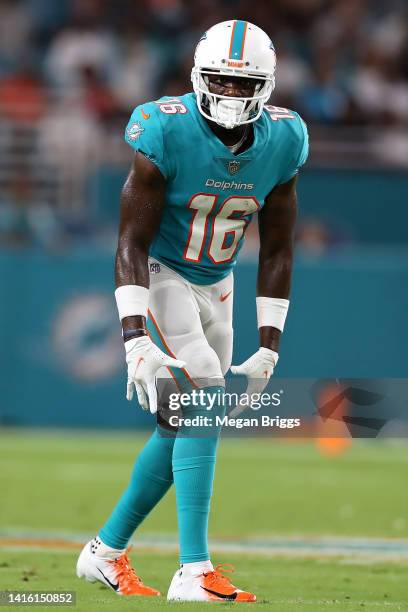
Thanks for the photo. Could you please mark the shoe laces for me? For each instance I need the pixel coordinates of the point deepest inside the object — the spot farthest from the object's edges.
(125, 573)
(218, 574)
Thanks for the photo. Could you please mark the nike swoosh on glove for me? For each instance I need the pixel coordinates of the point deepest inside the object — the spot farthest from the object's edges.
(258, 369)
(144, 359)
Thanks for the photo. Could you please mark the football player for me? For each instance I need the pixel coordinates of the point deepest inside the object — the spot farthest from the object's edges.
(204, 164)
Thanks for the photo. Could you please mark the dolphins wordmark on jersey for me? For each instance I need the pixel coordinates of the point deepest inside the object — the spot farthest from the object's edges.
(211, 193)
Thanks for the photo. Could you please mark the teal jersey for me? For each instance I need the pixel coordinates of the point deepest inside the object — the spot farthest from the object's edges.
(211, 193)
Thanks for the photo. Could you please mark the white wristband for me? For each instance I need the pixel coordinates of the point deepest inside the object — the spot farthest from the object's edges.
(132, 300)
(271, 312)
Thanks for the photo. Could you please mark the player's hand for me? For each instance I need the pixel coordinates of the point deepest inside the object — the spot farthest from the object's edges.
(258, 369)
(144, 359)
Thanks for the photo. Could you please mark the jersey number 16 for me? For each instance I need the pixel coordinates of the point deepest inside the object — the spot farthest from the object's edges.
(227, 226)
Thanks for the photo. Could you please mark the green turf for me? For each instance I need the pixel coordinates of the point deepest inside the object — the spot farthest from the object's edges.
(280, 584)
(69, 482)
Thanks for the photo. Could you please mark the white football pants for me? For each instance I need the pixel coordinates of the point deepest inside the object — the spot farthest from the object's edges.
(191, 322)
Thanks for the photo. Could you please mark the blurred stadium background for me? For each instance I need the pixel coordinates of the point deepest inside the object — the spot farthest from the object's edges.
(71, 72)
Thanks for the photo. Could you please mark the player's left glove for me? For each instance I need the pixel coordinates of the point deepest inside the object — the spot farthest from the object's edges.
(258, 369)
(144, 359)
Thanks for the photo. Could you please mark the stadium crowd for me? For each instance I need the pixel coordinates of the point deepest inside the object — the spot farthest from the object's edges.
(340, 61)
(72, 68)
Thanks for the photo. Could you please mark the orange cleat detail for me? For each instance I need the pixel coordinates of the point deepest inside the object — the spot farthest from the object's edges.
(128, 581)
(219, 587)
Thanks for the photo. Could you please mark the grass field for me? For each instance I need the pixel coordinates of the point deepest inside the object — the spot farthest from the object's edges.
(281, 584)
(56, 488)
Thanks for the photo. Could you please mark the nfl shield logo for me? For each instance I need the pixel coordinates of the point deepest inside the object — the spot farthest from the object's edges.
(155, 268)
(233, 166)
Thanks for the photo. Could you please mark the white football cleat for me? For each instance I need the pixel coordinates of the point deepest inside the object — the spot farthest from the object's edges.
(99, 563)
(208, 586)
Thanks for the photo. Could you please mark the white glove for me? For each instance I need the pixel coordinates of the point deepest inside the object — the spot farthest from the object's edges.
(258, 369)
(144, 359)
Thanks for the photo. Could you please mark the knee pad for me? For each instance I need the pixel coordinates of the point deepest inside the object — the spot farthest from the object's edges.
(201, 360)
(220, 336)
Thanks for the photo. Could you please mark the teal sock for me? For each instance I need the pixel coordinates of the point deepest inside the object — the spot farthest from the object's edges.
(193, 472)
(151, 478)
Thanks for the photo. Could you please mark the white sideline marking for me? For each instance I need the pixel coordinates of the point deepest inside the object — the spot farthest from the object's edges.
(352, 548)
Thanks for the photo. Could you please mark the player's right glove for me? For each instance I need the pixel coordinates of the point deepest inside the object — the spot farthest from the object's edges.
(144, 359)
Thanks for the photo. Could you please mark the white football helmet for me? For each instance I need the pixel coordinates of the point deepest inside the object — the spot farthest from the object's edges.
(236, 48)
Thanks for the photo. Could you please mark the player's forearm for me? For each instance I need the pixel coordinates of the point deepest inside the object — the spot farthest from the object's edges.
(269, 337)
(132, 269)
(142, 201)
(274, 280)
(275, 272)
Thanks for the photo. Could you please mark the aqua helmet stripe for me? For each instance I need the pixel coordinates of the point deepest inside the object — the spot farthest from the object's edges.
(237, 44)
